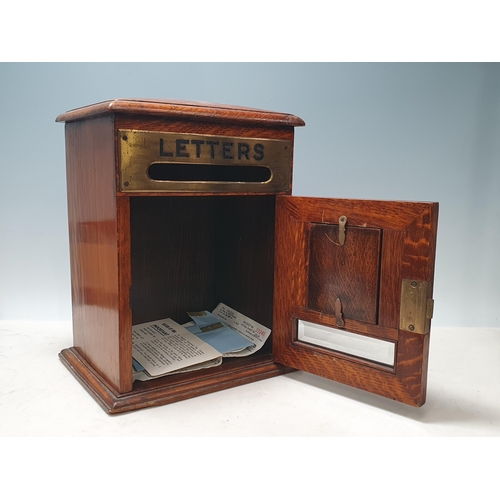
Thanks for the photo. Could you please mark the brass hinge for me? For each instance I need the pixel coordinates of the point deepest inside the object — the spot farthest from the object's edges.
(417, 306)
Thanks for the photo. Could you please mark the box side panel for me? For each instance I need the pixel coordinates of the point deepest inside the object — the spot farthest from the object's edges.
(93, 229)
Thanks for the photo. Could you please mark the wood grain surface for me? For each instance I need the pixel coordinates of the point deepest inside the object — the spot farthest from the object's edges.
(145, 256)
(138, 257)
(194, 110)
(349, 272)
(170, 389)
(94, 250)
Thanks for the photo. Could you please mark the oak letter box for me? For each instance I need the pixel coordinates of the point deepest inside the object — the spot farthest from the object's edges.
(176, 206)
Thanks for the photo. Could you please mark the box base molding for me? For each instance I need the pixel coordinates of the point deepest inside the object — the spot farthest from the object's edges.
(169, 389)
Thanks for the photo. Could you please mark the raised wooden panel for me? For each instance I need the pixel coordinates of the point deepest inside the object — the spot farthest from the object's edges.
(349, 272)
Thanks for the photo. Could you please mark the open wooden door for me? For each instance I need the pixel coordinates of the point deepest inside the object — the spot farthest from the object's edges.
(353, 292)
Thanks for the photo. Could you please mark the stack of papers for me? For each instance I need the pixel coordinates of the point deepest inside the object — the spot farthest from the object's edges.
(164, 347)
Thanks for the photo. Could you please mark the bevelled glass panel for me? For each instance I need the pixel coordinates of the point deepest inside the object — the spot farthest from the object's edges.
(355, 344)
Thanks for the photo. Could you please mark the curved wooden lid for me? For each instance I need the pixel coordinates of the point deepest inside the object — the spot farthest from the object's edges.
(183, 109)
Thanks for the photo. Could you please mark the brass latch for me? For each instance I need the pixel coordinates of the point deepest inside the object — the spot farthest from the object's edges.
(342, 223)
(338, 313)
(417, 306)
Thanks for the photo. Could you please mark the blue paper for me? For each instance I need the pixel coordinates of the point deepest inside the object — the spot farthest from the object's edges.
(216, 333)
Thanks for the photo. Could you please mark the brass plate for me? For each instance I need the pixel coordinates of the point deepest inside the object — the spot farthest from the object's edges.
(138, 150)
(417, 306)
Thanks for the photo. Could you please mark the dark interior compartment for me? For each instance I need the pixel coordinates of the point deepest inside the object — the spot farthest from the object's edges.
(191, 252)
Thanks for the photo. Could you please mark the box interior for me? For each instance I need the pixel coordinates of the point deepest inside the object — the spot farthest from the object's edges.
(188, 253)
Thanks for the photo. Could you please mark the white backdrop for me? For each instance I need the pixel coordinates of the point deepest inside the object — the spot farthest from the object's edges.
(423, 132)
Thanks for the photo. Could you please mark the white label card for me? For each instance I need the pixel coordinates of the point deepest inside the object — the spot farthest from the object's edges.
(250, 329)
(164, 346)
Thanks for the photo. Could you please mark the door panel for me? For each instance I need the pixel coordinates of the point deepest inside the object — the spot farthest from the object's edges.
(355, 286)
(349, 271)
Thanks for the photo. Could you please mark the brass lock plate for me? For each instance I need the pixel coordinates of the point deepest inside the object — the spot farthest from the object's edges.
(417, 306)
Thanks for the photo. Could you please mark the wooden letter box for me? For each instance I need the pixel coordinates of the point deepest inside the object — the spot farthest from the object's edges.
(176, 206)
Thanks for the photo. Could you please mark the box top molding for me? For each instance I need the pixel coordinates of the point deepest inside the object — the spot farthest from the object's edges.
(183, 109)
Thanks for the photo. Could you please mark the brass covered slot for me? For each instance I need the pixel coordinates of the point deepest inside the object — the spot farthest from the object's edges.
(177, 162)
(185, 172)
